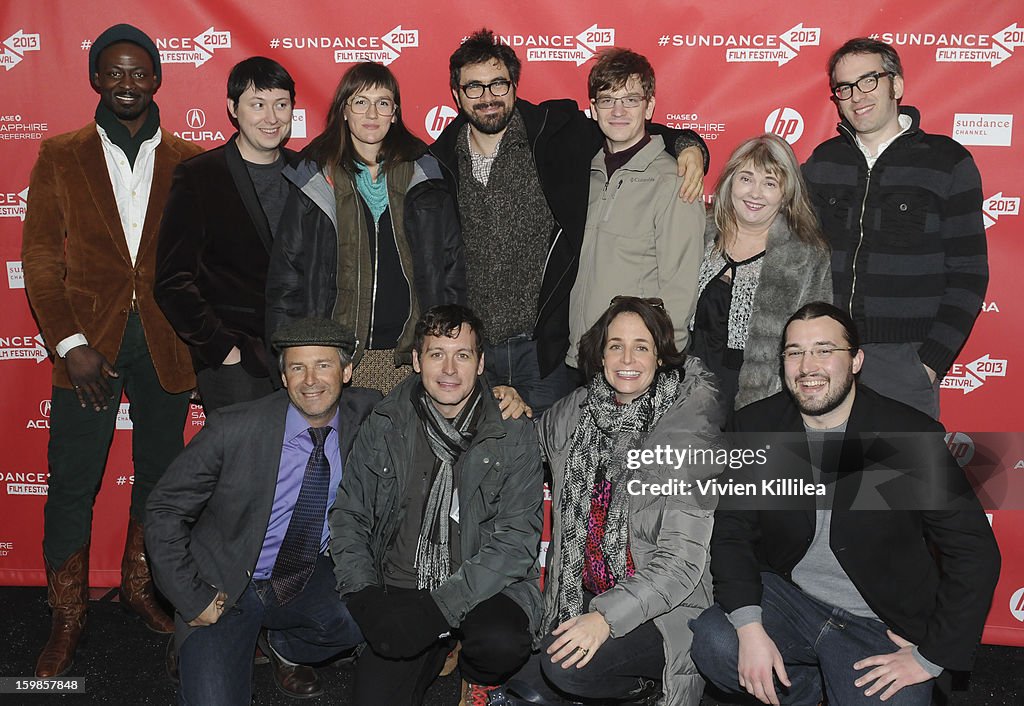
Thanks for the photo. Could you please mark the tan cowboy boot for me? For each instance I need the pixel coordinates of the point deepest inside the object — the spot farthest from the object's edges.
(67, 594)
(137, 584)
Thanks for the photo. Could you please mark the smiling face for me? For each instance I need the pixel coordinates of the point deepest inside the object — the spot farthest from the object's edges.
(264, 122)
(368, 129)
(874, 115)
(756, 197)
(314, 377)
(126, 82)
(630, 358)
(489, 114)
(822, 389)
(623, 127)
(449, 368)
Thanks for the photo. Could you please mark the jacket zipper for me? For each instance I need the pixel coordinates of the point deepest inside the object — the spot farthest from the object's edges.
(394, 235)
(860, 241)
(373, 289)
(558, 234)
(609, 203)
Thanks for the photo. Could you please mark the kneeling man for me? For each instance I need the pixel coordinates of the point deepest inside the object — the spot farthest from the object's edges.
(873, 588)
(436, 529)
(237, 527)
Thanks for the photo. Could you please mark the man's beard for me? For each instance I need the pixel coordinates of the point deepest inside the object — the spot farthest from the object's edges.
(493, 124)
(820, 406)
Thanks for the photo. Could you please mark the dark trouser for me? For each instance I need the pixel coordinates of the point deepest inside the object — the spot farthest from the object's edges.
(514, 362)
(896, 371)
(228, 385)
(215, 661)
(495, 642)
(80, 441)
(818, 643)
(613, 672)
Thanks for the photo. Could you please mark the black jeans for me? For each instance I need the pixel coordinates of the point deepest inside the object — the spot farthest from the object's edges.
(612, 673)
(495, 643)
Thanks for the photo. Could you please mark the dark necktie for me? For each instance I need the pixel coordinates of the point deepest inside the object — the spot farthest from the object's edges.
(301, 544)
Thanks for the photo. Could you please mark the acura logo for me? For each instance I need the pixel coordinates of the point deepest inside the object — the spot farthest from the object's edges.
(44, 408)
(195, 118)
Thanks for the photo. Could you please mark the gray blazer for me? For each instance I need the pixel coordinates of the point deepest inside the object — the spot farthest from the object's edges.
(207, 517)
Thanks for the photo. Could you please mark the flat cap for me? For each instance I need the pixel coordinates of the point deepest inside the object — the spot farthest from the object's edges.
(123, 33)
(314, 332)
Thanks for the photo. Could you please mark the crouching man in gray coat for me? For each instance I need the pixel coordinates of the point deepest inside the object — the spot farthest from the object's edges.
(436, 529)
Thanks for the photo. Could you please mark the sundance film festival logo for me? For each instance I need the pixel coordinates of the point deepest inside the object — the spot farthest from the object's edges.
(14, 205)
(991, 49)
(562, 47)
(20, 483)
(998, 205)
(971, 376)
(22, 348)
(786, 123)
(350, 50)
(752, 48)
(16, 46)
(195, 50)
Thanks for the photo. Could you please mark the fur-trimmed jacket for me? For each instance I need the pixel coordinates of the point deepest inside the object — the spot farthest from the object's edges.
(792, 274)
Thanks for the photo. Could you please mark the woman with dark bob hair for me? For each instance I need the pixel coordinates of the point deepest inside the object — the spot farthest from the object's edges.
(370, 235)
(626, 567)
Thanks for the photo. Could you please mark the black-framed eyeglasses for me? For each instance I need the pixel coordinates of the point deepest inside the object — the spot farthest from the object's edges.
(865, 84)
(384, 106)
(656, 302)
(818, 353)
(497, 88)
(633, 100)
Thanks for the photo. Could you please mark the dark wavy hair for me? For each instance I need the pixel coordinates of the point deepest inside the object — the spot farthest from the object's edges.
(333, 147)
(479, 47)
(613, 69)
(655, 318)
(447, 320)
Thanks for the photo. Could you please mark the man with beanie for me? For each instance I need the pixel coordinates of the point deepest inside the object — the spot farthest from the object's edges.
(436, 529)
(237, 527)
(88, 248)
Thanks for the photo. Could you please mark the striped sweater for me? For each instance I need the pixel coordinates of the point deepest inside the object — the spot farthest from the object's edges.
(909, 256)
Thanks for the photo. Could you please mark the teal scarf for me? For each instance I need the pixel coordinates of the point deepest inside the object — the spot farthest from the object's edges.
(374, 193)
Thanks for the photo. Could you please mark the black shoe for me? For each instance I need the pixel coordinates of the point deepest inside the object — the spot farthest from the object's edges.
(298, 681)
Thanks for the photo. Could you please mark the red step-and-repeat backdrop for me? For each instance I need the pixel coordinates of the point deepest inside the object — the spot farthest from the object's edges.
(727, 70)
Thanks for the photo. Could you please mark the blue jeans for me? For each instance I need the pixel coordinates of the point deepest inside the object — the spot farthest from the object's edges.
(818, 643)
(215, 661)
(514, 362)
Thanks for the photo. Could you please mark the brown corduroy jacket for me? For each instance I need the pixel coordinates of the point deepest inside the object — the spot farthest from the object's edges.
(78, 272)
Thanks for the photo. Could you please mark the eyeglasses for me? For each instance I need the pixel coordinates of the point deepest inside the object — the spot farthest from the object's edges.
(384, 106)
(497, 88)
(865, 84)
(631, 101)
(655, 302)
(819, 353)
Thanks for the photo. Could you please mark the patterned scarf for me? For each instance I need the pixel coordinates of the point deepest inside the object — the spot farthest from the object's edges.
(605, 433)
(447, 441)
